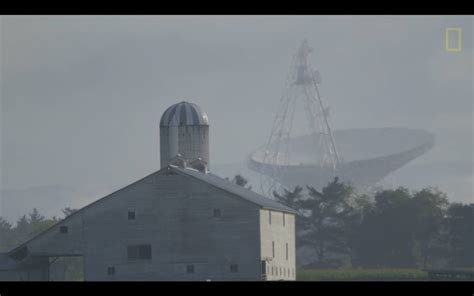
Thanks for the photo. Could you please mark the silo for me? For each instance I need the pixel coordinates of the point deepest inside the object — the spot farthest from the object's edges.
(184, 131)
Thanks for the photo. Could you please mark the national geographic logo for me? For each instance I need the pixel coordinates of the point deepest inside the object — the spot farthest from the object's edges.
(453, 39)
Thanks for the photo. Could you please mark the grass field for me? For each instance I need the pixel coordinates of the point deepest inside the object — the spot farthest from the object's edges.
(361, 275)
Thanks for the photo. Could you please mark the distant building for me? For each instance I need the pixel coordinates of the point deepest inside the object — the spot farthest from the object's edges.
(179, 223)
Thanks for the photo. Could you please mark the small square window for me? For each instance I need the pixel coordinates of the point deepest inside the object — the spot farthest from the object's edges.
(217, 213)
(144, 252)
(234, 268)
(63, 229)
(190, 268)
(131, 215)
(111, 270)
(132, 252)
(139, 252)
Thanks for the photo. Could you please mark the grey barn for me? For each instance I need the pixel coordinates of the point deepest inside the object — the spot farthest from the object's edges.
(179, 223)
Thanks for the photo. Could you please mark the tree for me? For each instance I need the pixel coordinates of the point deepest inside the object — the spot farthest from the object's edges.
(460, 234)
(31, 225)
(430, 206)
(385, 235)
(68, 211)
(400, 229)
(327, 214)
(289, 198)
(360, 207)
(6, 235)
(37, 223)
(241, 181)
(21, 231)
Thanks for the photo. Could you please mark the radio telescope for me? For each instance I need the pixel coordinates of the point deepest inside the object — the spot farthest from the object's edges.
(360, 157)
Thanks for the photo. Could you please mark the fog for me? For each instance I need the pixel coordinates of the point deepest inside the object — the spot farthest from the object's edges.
(81, 96)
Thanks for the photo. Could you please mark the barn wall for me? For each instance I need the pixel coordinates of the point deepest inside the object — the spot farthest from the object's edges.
(278, 267)
(11, 275)
(31, 269)
(174, 214)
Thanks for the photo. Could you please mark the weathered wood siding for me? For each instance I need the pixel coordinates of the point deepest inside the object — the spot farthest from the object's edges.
(174, 214)
(275, 237)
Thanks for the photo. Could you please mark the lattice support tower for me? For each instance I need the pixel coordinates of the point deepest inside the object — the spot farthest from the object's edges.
(301, 87)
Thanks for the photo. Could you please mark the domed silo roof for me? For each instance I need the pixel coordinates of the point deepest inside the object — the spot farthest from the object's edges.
(184, 113)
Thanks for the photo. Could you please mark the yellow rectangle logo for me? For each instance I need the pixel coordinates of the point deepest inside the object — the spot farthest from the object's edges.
(448, 33)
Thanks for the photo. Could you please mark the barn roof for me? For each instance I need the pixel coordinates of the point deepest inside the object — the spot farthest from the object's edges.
(235, 189)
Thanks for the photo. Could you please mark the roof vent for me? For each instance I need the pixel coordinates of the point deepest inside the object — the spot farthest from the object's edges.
(199, 164)
(178, 161)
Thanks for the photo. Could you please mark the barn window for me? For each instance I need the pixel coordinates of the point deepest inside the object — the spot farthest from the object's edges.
(234, 268)
(273, 249)
(131, 215)
(63, 229)
(217, 213)
(286, 251)
(190, 268)
(111, 270)
(269, 217)
(139, 252)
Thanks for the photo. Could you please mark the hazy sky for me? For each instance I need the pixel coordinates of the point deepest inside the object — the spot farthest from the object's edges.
(81, 96)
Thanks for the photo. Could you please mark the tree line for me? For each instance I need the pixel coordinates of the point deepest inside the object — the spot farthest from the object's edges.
(392, 229)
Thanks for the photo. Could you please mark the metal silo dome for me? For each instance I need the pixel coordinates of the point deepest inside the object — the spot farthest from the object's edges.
(184, 113)
(184, 131)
